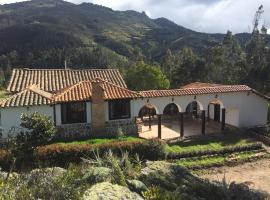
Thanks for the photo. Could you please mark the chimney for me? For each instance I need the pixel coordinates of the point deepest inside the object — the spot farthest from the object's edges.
(98, 108)
(65, 63)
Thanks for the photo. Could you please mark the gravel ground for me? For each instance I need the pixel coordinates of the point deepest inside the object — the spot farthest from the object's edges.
(255, 174)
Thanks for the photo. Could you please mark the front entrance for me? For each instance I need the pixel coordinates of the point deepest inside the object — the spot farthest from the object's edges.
(217, 112)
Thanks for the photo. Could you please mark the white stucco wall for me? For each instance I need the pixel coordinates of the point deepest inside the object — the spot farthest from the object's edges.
(243, 109)
(10, 117)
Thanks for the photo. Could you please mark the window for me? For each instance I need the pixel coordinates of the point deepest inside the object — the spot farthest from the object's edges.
(73, 113)
(119, 109)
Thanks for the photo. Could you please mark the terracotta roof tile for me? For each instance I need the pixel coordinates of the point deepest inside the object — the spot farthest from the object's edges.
(196, 91)
(31, 96)
(83, 91)
(52, 80)
(200, 85)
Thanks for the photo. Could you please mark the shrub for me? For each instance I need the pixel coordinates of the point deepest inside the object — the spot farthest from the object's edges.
(40, 129)
(152, 149)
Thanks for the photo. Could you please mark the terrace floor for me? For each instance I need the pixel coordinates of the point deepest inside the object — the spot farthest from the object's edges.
(171, 128)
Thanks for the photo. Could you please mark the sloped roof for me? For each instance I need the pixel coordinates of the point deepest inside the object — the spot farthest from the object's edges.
(196, 91)
(200, 85)
(83, 91)
(52, 80)
(31, 96)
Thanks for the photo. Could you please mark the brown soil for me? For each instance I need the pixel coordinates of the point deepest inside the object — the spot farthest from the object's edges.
(255, 174)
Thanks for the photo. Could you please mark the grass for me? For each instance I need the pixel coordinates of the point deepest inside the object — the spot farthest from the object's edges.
(209, 143)
(220, 160)
(3, 94)
(101, 141)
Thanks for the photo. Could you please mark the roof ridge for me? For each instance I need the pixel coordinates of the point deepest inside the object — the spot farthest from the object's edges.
(195, 88)
(61, 69)
(126, 89)
(68, 88)
(34, 88)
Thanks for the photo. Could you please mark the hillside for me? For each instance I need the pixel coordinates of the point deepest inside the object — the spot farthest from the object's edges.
(41, 25)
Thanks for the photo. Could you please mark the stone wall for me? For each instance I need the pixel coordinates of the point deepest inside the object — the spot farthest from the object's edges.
(127, 126)
(74, 131)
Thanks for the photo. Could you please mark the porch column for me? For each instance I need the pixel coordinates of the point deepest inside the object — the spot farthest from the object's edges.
(223, 118)
(203, 122)
(181, 124)
(159, 126)
(208, 113)
(149, 114)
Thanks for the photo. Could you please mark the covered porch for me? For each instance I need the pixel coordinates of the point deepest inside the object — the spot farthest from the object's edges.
(174, 124)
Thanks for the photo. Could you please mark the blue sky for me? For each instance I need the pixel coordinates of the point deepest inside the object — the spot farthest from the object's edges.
(214, 16)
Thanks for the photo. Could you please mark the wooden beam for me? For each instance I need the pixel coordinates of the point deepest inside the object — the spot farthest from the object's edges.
(203, 122)
(208, 113)
(223, 119)
(182, 124)
(150, 122)
(159, 126)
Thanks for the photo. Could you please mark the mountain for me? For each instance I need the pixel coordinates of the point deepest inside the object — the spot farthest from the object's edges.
(44, 33)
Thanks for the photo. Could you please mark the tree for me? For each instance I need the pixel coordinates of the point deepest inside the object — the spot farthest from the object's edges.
(146, 77)
(257, 61)
(186, 62)
(234, 68)
(168, 64)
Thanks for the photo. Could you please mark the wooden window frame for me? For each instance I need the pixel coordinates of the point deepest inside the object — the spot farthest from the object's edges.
(67, 120)
(119, 102)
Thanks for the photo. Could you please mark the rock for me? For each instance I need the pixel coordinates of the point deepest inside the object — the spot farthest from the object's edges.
(98, 174)
(136, 186)
(166, 175)
(3, 175)
(108, 191)
(45, 174)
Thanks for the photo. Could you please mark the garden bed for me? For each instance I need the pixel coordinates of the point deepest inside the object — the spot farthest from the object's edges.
(221, 160)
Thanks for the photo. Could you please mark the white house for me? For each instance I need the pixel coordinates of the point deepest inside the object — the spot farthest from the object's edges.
(86, 103)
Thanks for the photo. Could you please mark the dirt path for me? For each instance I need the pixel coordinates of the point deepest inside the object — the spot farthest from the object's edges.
(255, 174)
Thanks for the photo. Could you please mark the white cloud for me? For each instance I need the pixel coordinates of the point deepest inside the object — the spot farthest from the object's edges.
(200, 15)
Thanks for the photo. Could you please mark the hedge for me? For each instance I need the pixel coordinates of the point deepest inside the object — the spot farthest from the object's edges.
(225, 150)
(63, 155)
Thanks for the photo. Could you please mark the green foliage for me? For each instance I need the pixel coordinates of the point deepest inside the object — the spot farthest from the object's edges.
(186, 67)
(40, 129)
(157, 193)
(145, 77)
(153, 149)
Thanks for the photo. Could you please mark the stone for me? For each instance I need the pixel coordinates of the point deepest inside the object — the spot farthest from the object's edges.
(108, 191)
(97, 175)
(136, 186)
(46, 174)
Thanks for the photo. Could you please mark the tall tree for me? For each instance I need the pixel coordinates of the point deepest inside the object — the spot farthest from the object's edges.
(185, 64)
(234, 68)
(257, 61)
(168, 64)
(146, 77)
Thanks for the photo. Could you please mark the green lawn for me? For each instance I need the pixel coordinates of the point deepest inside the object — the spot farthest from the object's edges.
(209, 161)
(101, 141)
(209, 143)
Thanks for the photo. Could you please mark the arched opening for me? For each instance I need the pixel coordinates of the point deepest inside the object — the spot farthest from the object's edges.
(171, 110)
(147, 111)
(193, 110)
